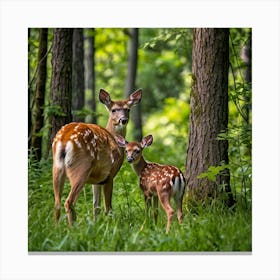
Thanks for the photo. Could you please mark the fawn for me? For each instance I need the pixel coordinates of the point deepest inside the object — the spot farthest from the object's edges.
(156, 180)
(88, 153)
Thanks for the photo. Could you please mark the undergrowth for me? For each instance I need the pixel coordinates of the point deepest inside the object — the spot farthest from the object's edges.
(208, 227)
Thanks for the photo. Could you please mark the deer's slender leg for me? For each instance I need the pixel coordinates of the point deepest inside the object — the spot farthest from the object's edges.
(96, 200)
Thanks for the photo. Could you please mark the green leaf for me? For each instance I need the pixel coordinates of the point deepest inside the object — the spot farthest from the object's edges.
(212, 172)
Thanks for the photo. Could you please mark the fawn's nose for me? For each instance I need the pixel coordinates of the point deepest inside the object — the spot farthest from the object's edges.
(123, 121)
(129, 159)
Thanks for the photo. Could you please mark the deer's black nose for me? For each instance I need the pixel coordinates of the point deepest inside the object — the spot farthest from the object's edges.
(123, 121)
(129, 159)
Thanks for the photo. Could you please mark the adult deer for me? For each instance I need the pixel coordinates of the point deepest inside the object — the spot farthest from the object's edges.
(88, 153)
(156, 180)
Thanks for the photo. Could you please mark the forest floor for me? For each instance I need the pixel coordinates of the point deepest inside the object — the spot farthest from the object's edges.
(210, 227)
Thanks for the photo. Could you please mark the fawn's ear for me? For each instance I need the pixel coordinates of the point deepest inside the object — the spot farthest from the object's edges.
(105, 98)
(120, 141)
(147, 141)
(134, 98)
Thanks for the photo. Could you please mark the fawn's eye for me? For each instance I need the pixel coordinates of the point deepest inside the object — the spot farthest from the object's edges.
(137, 151)
(114, 110)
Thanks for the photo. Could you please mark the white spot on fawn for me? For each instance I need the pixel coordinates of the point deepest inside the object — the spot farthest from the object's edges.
(76, 127)
(78, 143)
(112, 158)
(93, 142)
(92, 153)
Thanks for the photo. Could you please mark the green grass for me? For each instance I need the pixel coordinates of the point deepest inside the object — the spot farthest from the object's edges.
(206, 227)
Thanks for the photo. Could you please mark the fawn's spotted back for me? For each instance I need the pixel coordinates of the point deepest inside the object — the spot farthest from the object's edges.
(167, 177)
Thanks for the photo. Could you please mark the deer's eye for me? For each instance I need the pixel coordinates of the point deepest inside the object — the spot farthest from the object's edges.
(137, 151)
(114, 110)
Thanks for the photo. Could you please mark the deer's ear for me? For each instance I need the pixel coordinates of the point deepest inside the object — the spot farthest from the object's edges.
(134, 98)
(105, 98)
(147, 141)
(120, 141)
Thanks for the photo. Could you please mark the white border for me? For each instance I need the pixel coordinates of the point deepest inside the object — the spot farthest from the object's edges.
(17, 16)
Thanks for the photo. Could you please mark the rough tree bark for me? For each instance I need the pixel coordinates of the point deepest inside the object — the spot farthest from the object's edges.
(38, 118)
(209, 112)
(78, 81)
(136, 115)
(90, 74)
(246, 56)
(61, 81)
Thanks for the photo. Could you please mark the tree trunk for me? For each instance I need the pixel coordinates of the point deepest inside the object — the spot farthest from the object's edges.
(38, 123)
(246, 56)
(130, 82)
(90, 74)
(61, 81)
(209, 112)
(78, 83)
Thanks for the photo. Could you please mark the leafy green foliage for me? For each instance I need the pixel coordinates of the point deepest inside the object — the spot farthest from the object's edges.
(240, 162)
(162, 65)
(212, 172)
(111, 59)
(169, 131)
(54, 110)
(84, 112)
(178, 39)
(240, 89)
(169, 122)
